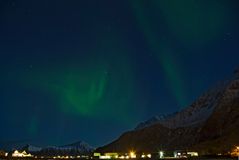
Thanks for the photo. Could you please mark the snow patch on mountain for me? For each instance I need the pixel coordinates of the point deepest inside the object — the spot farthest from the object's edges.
(70, 149)
(80, 145)
(198, 111)
(153, 120)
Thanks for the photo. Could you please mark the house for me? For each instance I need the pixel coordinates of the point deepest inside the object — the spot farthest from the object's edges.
(17, 153)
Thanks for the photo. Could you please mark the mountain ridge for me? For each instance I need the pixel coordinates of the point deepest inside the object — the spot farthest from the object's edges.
(202, 126)
(76, 148)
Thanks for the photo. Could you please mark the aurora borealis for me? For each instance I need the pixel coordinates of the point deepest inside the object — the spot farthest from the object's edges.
(90, 70)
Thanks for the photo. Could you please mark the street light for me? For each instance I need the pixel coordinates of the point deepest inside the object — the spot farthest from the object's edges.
(132, 154)
(149, 155)
(161, 154)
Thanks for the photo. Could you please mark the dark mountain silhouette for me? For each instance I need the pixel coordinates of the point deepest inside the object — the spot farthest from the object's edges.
(210, 125)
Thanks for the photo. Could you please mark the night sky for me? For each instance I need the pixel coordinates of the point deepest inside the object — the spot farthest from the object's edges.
(91, 69)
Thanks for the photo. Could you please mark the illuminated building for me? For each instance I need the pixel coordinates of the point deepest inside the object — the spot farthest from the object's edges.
(110, 155)
(132, 154)
(17, 153)
(235, 151)
(192, 154)
(161, 154)
(180, 154)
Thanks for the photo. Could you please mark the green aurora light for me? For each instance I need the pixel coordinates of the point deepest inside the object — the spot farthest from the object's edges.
(190, 22)
(97, 87)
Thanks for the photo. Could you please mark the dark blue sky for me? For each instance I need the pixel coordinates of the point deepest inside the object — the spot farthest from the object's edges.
(90, 70)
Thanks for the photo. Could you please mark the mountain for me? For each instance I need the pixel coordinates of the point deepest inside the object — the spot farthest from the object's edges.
(195, 114)
(209, 125)
(73, 149)
(80, 145)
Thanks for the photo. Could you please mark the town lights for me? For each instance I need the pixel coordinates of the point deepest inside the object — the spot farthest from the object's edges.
(121, 157)
(235, 152)
(161, 154)
(132, 154)
(237, 148)
(149, 155)
(17, 153)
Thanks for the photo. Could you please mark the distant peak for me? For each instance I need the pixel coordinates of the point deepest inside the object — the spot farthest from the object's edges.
(79, 144)
(76, 143)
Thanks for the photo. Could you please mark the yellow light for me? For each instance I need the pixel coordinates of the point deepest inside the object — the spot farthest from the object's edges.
(121, 157)
(193, 154)
(132, 154)
(149, 155)
(104, 157)
(96, 154)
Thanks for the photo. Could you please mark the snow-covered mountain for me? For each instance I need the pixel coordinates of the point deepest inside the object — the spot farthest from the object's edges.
(199, 110)
(80, 145)
(77, 148)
